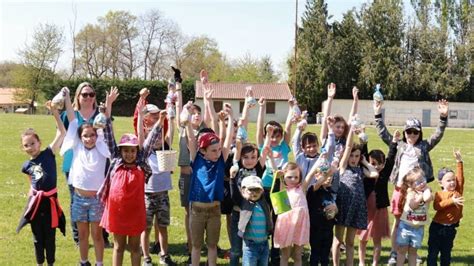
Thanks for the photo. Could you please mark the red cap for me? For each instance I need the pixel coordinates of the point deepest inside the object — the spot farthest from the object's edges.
(207, 139)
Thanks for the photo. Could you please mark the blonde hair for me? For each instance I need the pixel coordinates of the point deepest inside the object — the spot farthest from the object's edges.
(76, 105)
(408, 181)
(293, 166)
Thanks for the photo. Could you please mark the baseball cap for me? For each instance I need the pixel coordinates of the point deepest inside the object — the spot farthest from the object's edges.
(207, 139)
(151, 108)
(252, 182)
(413, 123)
(442, 172)
(128, 140)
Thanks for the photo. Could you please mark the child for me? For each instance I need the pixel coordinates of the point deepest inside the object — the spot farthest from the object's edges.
(448, 204)
(351, 201)
(156, 196)
(376, 192)
(86, 175)
(43, 211)
(292, 227)
(207, 188)
(414, 216)
(254, 222)
(412, 150)
(122, 191)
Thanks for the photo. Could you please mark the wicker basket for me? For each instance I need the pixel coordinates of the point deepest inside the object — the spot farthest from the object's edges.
(166, 160)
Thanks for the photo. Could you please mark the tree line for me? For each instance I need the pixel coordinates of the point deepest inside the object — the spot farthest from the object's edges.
(426, 55)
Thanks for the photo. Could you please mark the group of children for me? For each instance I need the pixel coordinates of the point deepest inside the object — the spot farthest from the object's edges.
(336, 189)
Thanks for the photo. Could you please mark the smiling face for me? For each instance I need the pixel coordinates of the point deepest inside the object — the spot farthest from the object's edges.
(252, 194)
(339, 129)
(292, 177)
(412, 136)
(354, 158)
(275, 139)
(310, 149)
(86, 97)
(250, 159)
(31, 145)
(129, 154)
(448, 182)
(196, 118)
(88, 137)
(212, 152)
(420, 183)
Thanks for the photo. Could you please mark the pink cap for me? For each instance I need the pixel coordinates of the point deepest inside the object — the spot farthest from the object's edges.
(128, 140)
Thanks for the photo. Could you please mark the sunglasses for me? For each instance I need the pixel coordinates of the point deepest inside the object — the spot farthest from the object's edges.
(419, 182)
(412, 131)
(90, 94)
(254, 189)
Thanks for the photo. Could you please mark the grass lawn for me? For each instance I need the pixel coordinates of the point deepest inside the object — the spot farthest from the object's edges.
(17, 249)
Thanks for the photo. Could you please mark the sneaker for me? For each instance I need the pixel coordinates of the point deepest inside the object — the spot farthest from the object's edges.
(87, 263)
(393, 258)
(147, 262)
(223, 253)
(166, 260)
(107, 244)
(154, 248)
(419, 260)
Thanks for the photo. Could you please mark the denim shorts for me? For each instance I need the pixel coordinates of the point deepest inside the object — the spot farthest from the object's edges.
(86, 209)
(408, 235)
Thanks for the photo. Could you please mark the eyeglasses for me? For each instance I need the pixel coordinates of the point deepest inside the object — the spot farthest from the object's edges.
(90, 94)
(412, 131)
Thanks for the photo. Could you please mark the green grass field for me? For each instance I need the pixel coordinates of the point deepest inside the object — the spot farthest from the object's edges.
(17, 249)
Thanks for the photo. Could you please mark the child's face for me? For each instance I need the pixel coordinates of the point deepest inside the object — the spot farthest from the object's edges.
(412, 135)
(88, 137)
(449, 182)
(150, 119)
(252, 194)
(419, 184)
(196, 118)
(275, 139)
(310, 149)
(212, 152)
(376, 164)
(339, 128)
(250, 159)
(129, 154)
(354, 158)
(31, 145)
(292, 177)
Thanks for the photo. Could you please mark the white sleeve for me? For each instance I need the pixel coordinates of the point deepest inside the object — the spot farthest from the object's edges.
(71, 139)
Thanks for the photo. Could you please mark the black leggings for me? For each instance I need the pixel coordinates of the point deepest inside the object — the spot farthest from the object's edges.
(320, 238)
(44, 237)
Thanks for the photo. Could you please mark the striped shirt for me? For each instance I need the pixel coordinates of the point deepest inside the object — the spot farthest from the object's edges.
(257, 227)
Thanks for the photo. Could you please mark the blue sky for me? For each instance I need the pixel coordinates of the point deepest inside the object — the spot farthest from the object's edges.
(259, 27)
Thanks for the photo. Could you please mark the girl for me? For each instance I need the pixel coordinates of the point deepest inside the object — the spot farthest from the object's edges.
(292, 227)
(43, 211)
(207, 187)
(414, 216)
(376, 192)
(86, 175)
(351, 200)
(123, 189)
(412, 150)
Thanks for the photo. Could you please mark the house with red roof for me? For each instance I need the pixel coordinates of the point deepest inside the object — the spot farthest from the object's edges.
(9, 103)
(276, 95)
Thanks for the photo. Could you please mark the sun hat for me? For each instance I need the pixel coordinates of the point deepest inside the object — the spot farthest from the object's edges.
(128, 140)
(413, 123)
(252, 182)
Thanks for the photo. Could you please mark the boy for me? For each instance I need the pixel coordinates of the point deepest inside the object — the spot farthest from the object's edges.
(255, 223)
(448, 204)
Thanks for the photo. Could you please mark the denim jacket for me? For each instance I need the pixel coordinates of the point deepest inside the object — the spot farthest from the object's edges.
(423, 147)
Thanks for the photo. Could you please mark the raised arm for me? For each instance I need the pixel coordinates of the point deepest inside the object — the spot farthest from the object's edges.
(347, 151)
(139, 130)
(459, 171)
(139, 107)
(296, 140)
(287, 133)
(67, 102)
(443, 109)
(60, 129)
(154, 134)
(355, 102)
(229, 134)
(382, 130)
(368, 169)
(192, 146)
(327, 110)
(260, 120)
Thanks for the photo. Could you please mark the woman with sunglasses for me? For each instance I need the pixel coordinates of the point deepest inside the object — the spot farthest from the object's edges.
(85, 110)
(412, 151)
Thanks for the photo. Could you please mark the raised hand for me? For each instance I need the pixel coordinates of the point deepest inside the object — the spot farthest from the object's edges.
(161, 119)
(331, 90)
(204, 77)
(443, 108)
(111, 95)
(397, 136)
(378, 107)
(261, 101)
(222, 115)
(144, 93)
(355, 93)
(457, 155)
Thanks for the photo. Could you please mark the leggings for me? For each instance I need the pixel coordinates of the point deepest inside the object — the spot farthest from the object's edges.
(44, 237)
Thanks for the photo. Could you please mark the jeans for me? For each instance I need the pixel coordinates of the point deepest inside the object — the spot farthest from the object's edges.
(440, 240)
(255, 254)
(320, 238)
(408, 235)
(236, 240)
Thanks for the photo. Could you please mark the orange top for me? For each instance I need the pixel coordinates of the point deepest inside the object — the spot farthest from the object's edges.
(446, 211)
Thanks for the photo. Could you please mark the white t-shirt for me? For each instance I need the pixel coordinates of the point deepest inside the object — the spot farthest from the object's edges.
(408, 161)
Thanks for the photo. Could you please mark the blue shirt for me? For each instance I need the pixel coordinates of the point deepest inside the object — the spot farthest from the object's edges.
(207, 180)
(257, 227)
(280, 156)
(42, 170)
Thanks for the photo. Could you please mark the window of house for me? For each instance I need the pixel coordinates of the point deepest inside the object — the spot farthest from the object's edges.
(270, 107)
(218, 105)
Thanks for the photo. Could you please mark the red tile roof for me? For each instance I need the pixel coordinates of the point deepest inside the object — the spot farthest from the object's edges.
(223, 90)
(7, 96)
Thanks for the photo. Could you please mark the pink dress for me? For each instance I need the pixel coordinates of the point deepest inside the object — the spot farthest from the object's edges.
(292, 227)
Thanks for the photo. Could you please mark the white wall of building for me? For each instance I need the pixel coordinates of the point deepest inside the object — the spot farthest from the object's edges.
(281, 110)
(397, 112)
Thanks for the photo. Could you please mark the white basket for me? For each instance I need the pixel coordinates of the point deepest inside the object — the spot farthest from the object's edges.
(166, 160)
